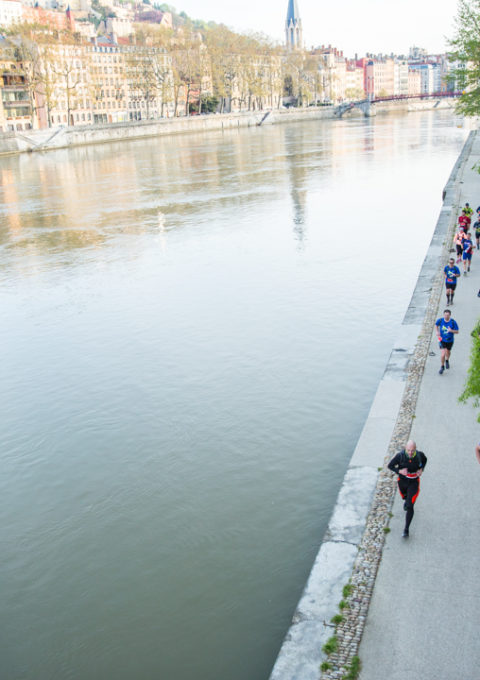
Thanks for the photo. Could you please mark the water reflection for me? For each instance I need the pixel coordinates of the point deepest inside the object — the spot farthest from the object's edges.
(181, 390)
(84, 198)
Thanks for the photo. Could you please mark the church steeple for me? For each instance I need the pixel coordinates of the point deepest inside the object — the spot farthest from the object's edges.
(293, 26)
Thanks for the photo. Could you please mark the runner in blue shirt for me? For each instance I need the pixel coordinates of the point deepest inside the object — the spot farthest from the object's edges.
(467, 252)
(476, 226)
(452, 272)
(446, 329)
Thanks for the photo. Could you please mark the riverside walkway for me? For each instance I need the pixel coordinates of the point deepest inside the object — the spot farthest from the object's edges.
(411, 605)
(424, 614)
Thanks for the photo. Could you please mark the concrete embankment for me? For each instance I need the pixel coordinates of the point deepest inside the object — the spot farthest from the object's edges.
(352, 547)
(65, 137)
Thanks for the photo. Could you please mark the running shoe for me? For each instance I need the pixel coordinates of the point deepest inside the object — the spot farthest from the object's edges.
(447, 363)
(441, 370)
(405, 533)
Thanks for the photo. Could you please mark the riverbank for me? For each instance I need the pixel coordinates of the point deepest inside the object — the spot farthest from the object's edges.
(354, 541)
(434, 612)
(66, 137)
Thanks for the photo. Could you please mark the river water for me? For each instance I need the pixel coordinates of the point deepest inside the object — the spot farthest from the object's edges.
(192, 331)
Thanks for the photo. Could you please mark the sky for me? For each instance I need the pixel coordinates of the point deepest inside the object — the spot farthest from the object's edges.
(354, 26)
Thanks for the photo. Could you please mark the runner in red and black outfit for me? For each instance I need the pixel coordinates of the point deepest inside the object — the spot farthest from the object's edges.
(408, 465)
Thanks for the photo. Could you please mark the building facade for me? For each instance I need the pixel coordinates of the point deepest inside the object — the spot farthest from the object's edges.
(16, 106)
(10, 12)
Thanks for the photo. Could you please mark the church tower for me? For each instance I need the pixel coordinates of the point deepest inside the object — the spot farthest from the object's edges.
(293, 27)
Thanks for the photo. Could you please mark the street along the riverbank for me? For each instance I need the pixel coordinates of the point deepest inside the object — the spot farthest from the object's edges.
(439, 561)
(354, 541)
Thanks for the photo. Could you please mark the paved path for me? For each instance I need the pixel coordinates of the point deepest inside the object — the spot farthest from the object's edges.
(424, 617)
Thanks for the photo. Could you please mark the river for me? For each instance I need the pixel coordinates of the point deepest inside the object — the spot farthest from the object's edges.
(192, 331)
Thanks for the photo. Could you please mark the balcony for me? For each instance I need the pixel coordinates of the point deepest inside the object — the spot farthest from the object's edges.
(17, 103)
(12, 80)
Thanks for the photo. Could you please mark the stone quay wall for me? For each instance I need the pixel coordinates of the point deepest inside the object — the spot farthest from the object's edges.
(66, 137)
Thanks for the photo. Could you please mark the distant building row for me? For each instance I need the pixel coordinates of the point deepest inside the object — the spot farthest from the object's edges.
(381, 76)
(92, 78)
(120, 20)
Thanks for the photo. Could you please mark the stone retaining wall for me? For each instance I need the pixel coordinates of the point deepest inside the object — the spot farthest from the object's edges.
(65, 137)
(61, 137)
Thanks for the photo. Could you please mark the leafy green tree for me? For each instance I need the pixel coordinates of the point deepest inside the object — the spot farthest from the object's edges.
(472, 383)
(210, 103)
(466, 56)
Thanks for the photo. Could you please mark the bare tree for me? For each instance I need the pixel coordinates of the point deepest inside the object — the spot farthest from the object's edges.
(67, 71)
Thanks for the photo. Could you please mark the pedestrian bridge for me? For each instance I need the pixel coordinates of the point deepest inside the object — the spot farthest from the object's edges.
(367, 106)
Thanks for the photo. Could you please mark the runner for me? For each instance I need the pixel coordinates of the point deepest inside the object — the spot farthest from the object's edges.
(446, 329)
(467, 245)
(464, 221)
(458, 240)
(409, 464)
(476, 226)
(467, 210)
(452, 272)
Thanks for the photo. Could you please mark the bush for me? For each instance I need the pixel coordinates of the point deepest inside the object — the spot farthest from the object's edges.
(331, 645)
(353, 669)
(472, 384)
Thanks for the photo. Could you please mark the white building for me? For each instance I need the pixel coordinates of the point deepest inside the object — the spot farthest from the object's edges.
(430, 77)
(10, 12)
(400, 75)
(119, 26)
